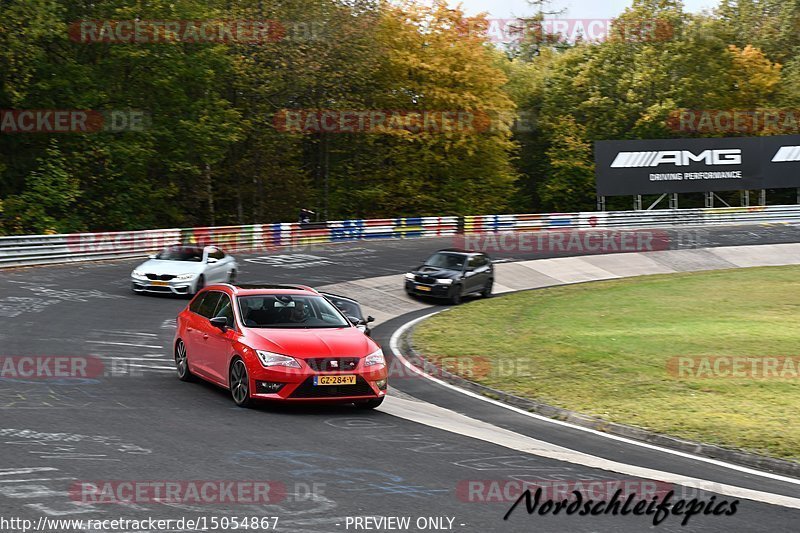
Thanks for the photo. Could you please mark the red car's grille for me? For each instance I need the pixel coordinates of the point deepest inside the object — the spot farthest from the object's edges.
(332, 364)
(308, 390)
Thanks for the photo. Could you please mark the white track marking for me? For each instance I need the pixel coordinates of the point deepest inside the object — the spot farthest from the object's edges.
(126, 358)
(172, 368)
(393, 345)
(127, 344)
(129, 333)
(37, 479)
(444, 419)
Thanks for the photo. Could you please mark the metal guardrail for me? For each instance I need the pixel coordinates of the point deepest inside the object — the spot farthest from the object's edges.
(662, 218)
(55, 249)
(27, 250)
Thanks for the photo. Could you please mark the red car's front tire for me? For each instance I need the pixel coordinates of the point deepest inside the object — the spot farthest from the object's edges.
(239, 383)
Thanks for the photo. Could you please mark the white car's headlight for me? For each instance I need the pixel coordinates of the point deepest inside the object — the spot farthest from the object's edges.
(184, 277)
(409, 276)
(138, 274)
(375, 358)
(444, 281)
(269, 359)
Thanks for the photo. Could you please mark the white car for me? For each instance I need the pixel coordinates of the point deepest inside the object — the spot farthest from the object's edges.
(184, 270)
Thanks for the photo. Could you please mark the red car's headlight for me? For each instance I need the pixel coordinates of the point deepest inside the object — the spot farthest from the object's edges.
(375, 358)
(269, 359)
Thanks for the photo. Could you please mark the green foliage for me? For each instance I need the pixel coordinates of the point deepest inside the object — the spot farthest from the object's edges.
(211, 152)
(658, 61)
(47, 203)
(570, 183)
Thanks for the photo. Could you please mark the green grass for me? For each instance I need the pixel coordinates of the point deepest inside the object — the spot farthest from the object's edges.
(602, 349)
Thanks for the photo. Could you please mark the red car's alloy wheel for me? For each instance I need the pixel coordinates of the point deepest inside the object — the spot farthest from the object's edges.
(239, 383)
(182, 363)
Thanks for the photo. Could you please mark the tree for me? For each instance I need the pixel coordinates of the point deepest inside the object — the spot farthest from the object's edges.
(570, 182)
(47, 204)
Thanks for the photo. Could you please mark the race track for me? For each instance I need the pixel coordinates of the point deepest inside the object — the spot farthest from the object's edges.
(413, 457)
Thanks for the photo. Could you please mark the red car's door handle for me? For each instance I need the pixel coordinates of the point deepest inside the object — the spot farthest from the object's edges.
(189, 330)
(205, 335)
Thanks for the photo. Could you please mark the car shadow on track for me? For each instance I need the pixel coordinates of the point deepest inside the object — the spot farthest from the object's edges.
(285, 408)
(441, 302)
(162, 295)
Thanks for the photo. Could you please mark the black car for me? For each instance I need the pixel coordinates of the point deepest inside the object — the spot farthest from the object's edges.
(452, 274)
(352, 310)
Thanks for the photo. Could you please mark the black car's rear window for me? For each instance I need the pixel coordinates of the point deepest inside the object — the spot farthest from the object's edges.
(347, 307)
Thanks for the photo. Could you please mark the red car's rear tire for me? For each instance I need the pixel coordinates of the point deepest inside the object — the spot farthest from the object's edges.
(182, 362)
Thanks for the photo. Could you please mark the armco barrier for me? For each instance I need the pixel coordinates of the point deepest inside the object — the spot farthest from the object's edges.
(52, 249)
(633, 219)
(30, 250)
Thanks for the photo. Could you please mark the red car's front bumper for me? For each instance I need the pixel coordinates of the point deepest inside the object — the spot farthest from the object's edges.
(297, 385)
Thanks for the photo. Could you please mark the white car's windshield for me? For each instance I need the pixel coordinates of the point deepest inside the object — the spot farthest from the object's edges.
(181, 253)
(289, 311)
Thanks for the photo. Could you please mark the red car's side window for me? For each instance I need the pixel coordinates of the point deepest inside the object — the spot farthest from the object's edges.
(197, 302)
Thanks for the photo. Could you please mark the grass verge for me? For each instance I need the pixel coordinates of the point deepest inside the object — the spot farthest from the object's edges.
(604, 349)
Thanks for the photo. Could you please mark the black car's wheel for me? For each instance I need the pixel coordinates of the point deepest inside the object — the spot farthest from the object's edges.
(455, 295)
(487, 289)
(369, 404)
(239, 383)
(232, 277)
(182, 363)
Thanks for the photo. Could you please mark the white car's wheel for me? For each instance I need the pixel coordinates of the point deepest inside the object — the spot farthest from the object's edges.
(199, 284)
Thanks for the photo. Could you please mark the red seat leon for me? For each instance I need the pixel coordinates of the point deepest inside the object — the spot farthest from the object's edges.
(278, 343)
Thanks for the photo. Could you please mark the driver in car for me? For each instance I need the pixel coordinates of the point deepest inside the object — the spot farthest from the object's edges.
(298, 313)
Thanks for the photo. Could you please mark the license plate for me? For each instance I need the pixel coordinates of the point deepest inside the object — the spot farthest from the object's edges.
(334, 380)
(423, 288)
(159, 283)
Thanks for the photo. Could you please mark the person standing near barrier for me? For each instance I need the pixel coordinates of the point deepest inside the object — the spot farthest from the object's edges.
(305, 216)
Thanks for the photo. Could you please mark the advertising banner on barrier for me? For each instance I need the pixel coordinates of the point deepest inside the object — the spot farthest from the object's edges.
(780, 161)
(696, 165)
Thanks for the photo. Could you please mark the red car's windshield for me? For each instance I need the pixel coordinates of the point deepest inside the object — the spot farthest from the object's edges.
(289, 311)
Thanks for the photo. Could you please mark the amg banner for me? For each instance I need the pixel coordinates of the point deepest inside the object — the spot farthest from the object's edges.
(697, 165)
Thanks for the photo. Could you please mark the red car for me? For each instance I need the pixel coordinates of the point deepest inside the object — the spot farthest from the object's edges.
(278, 342)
